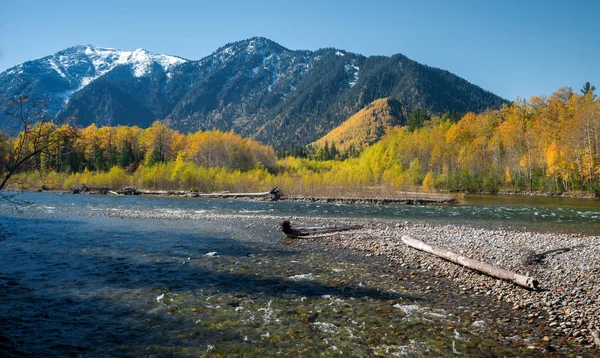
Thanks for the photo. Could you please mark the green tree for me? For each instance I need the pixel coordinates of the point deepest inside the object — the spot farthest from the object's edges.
(416, 119)
(587, 88)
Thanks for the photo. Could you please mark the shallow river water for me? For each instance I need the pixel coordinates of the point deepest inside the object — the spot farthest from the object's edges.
(79, 278)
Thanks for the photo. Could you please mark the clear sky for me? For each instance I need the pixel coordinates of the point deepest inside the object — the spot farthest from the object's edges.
(512, 48)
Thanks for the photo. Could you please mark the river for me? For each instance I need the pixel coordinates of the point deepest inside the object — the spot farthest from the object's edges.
(80, 278)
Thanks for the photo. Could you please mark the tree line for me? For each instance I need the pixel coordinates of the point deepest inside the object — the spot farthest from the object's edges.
(547, 144)
(71, 150)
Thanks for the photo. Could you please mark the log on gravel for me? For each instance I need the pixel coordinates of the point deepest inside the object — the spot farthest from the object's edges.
(273, 194)
(490, 270)
(309, 232)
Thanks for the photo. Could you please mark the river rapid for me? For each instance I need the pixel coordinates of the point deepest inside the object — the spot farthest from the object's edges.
(93, 276)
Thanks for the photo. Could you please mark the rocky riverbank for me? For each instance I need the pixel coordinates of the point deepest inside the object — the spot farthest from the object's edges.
(414, 200)
(275, 194)
(567, 267)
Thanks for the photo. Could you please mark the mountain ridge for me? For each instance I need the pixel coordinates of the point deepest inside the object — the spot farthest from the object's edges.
(255, 87)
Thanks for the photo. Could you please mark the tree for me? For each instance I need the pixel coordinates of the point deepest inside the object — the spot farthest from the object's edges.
(587, 88)
(157, 140)
(416, 119)
(37, 136)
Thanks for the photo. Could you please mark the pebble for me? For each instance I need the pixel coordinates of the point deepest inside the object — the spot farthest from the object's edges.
(569, 279)
(596, 337)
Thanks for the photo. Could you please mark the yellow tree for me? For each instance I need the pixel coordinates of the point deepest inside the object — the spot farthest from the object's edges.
(107, 146)
(87, 144)
(34, 138)
(157, 142)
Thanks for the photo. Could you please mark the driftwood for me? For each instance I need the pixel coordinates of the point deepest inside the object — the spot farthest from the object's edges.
(163, 192)
(129, 191)
(521, 280)
(273, 194)
(84, 189)
(308, 232)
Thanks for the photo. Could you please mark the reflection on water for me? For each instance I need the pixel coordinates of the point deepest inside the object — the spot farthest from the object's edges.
(75, 280)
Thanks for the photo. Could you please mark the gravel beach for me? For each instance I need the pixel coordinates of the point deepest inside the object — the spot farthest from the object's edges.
(569, 273)
(567, 266)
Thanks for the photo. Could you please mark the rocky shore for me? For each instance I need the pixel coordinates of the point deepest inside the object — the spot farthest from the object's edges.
(416, 200)
(275, 194)
(567, 267)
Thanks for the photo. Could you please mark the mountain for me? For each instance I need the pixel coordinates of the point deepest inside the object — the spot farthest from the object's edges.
(365, 127)
(59, 77)
(254, 87)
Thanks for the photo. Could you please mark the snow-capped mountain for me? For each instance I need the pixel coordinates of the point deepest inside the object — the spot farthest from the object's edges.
(255, 87)
(57, 77)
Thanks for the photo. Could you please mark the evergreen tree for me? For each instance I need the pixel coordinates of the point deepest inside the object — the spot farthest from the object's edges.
(587, 88)
(126, 156)
(416, 119)
(333, 152)
(154, 158)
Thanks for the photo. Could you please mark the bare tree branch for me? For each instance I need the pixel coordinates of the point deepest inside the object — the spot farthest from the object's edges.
(36, 138)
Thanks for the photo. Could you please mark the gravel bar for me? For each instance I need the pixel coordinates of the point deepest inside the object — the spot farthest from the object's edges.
(567, 266)
(568, 272)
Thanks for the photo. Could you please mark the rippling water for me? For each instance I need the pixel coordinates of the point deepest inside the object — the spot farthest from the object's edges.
(77, 281)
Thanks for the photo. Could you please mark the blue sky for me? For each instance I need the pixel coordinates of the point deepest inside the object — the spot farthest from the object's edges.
(512, 48)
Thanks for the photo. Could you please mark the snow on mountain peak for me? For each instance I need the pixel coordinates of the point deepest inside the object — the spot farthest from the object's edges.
(82, 64)
(103, 60)
(253, 46)
(141, 61)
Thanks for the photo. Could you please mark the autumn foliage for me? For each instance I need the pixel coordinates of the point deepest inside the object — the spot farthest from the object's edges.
(546, 144)
(157, 157)
(362, 129)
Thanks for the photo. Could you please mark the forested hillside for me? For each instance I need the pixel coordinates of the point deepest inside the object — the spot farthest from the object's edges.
(362, 129)
(546, 144)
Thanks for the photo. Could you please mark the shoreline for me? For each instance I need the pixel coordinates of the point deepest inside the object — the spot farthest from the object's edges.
(570, 281)
(587, 196)
(567, 303)
(406, 198)
(411, 198)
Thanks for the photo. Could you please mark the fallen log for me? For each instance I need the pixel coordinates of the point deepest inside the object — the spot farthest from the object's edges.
(129, 191)
(521, 280)
(273, 194)
(308, 232)
(163, 192)
(231, 195)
